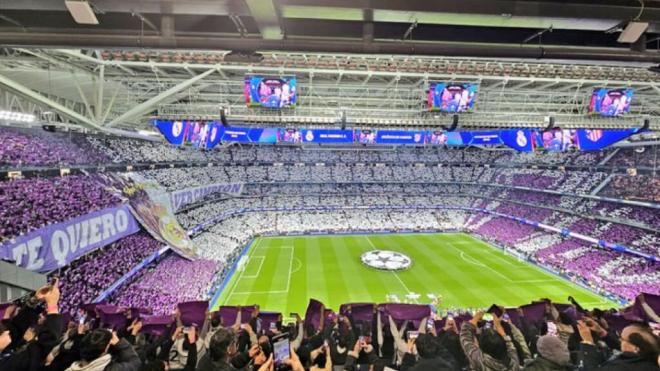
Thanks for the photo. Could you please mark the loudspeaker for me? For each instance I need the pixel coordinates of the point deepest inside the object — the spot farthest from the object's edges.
(454, 123)
(647, 123)
(551, 123)
(223, 118)
(50, 128)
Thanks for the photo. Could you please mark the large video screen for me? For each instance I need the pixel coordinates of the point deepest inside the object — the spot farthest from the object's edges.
(556, 140)
(610, 102)
(289, 136)
(451, 98)
(270, 92)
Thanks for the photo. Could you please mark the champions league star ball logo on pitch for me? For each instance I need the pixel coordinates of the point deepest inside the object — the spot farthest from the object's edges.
(309, 136)
(386, 260)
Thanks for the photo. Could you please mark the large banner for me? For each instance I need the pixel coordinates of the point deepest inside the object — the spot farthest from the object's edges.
(326, 136)
(57, 245)
(596, 139)
(250, 135)
(152, 207)
(523, 139)
(400, 137)
(518, 139)
(188, 196)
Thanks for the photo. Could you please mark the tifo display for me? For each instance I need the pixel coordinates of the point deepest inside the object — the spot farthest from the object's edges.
(366, 238)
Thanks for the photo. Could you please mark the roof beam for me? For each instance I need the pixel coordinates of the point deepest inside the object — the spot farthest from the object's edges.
(199, 7)
(38, 98)
(307, 44)
(267, 18)
(501, 8)
(149, 104)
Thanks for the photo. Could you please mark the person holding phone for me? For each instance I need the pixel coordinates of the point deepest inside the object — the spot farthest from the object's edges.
(21, 354)
(492, 350)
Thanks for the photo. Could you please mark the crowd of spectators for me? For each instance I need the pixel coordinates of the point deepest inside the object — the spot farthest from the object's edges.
(34, 148)
(648, 156)
(85, 278)
(541, 336)
(28, 204)
(639, 187)
(167, 282)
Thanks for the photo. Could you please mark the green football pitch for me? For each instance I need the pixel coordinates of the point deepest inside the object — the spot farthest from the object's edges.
(282, 273)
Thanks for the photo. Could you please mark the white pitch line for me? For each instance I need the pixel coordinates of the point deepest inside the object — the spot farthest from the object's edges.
(393, 272)
(373, 247)
(261, 263)
(483, 265)
(252, 250)
(288, 281)
(298, 267)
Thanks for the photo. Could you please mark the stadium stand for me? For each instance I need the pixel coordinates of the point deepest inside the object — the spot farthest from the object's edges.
(354, 191)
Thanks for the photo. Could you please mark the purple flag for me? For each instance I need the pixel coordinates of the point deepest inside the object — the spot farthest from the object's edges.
(617, 323)
(360, 311)
(403, 312)
(156, 325)
(535, 311)
(229, 313)
(137, 312)
(513, 316)
(315, 309)
(267, 318)
(114, 321)
(193, 312)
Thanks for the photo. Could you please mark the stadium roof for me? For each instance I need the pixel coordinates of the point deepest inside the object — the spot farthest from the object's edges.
(370, 59)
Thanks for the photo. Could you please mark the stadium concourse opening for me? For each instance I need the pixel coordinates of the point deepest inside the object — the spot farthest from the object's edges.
(282, 273)
(329, 185)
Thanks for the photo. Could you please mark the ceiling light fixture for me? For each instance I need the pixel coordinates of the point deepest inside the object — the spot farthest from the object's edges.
(81, 11)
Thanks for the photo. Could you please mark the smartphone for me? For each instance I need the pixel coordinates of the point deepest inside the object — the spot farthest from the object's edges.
(340, 318)
(186, 329)
(494, 309)
(281, 350)
(487, 317)
(81, 320)
(430, 324)
(273, 326)
(505, 317)
(450, 317)
(325, 343)
(243, 326)
(552, 329)
(412, 335)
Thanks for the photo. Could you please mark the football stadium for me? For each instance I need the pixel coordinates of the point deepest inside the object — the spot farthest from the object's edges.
(259, 185)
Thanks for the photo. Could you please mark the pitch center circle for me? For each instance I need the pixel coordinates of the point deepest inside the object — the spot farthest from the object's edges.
(386, 260)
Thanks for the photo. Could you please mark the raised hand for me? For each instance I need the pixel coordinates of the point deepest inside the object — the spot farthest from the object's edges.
(477, 317)
(585, 332)
(497, 325)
